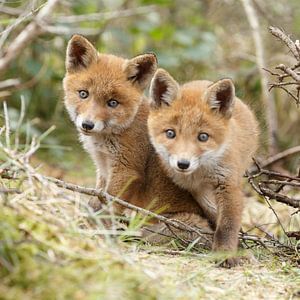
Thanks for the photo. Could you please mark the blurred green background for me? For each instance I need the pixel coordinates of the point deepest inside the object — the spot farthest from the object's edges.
(192, 39)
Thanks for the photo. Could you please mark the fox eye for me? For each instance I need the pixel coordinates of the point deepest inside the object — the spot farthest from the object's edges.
(83, 94)
(170, 133)
(203, 137)
(112, 103)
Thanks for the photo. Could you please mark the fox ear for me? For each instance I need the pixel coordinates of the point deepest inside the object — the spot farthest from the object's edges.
(140, 69)
(220, 96)
(164, 89)
(80, 53)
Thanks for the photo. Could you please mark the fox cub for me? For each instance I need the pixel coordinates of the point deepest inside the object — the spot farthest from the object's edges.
(205, 137)
(104, 98)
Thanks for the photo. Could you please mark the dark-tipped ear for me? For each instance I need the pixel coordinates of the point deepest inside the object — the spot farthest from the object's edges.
(140, 69)
(220, 96)
(164, 89)
(80, 53)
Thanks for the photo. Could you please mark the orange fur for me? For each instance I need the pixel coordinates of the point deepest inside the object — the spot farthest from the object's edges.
(211, 170)
(119, 143)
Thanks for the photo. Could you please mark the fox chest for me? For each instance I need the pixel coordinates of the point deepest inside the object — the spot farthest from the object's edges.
(104, 152)
(202, 187)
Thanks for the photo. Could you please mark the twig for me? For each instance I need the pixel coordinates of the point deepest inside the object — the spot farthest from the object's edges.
(280, 197)
(104, 16)
(172, 252)
(64, 30)
(31, 31)
(279, 156)
(280, 34)
(294, 234)
(289, 71)
(10, 11)
(9, 191)
(281, 182)
(109, 198)
(9, 83)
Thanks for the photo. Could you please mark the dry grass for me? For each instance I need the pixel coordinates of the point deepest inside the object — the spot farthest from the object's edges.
(52, 246)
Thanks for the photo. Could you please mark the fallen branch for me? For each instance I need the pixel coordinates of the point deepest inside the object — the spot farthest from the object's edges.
(109, 198)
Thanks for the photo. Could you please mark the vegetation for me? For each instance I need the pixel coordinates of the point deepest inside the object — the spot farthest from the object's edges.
(52, 246)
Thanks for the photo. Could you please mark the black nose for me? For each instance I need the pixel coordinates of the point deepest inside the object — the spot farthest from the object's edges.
(87, 125)
(183, 164)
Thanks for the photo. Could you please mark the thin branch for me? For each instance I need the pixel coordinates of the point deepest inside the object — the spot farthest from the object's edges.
(281, 182)
(31, 31)
(9, 83)
(64, 30)
(9, 191)
(100, 193)
(10, 11)
(280, 197)
(281, 35)
(280, 156)
(105, 16)
(289, 71)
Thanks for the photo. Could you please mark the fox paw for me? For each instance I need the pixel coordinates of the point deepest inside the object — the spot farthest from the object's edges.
(95, 204)
(229, 263)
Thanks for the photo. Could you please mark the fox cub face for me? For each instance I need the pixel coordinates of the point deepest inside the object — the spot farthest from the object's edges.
(103, 92)
(188, 125)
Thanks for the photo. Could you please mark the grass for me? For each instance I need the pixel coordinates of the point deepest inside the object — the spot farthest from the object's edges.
(52, 246)
(47, 252)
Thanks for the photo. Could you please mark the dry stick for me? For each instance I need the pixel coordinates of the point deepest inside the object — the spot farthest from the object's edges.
(104, 16)
(268, 101)
(271, 160)
(286, 39)
(9, 83)
(279, 156)
(272, 173)
(289, 71)
(266, 192)
(175, 223)
(10, 11)
(281, 182)
(109, 198)
(31, 31)
(9, 191)
(280, 197)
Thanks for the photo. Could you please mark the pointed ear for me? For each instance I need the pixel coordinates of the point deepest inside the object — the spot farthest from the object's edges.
(80, 53)
(164, 89)
(140, 69)
(220, 96)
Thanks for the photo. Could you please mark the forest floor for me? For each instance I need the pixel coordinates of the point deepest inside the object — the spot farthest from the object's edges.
(51, 248)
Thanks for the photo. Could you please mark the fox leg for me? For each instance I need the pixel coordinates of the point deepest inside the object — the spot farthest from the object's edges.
(96, 202)
(229, 216)
(126, 184)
